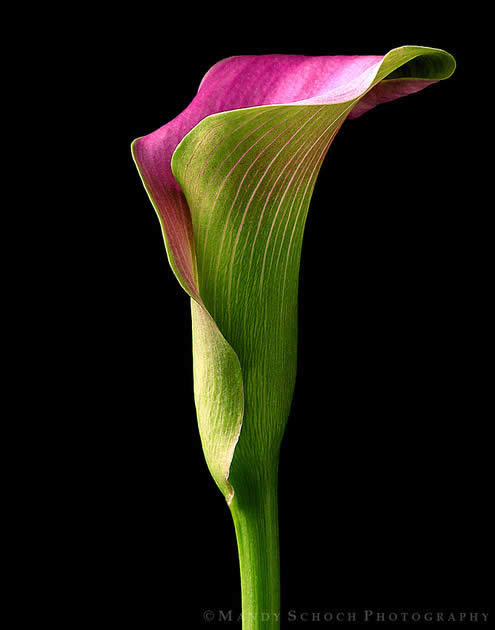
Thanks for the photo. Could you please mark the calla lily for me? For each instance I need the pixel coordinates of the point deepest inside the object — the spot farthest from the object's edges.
(231, 179)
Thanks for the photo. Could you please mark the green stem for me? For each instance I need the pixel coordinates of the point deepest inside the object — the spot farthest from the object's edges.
(254, 510)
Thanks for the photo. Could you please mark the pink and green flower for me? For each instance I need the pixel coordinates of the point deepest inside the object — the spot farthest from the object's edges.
(231, 180)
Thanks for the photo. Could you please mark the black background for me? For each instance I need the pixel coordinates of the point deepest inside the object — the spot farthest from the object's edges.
(383, 471)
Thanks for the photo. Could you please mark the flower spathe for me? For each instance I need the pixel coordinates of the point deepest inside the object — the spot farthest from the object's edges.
(231, 178)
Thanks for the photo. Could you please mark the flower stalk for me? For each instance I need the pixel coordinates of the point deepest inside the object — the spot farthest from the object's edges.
(254, 510)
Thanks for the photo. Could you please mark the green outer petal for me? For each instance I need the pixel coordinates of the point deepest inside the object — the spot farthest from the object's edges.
(248, 223)
(247, 267)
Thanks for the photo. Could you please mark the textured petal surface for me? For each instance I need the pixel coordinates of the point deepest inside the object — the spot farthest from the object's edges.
(245, 156)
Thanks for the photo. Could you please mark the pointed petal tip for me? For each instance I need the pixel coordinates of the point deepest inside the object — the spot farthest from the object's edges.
(422, 62)
(447, 58)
